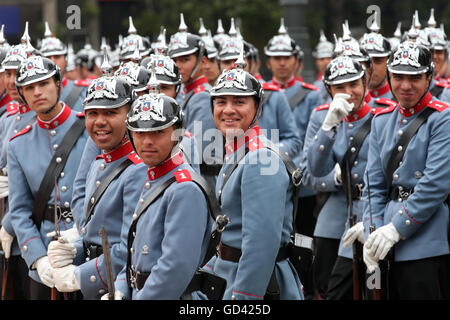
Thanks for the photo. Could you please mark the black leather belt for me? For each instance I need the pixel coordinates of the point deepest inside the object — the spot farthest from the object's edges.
(400, 193)
(92, 251)
(234, 254)
(210, 169)
(61, 213)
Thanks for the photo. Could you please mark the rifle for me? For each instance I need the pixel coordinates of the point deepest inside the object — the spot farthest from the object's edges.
(377, 293)
(5, 261)
(108, 264)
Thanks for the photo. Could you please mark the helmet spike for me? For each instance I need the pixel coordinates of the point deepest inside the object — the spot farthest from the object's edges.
(106, 68)
(2, 35)
(431, 21)
(238, 34)
(183, 27)
(398, 31)
(240, 62)
(103, 43)
(232, 31)
(220, 29)
(131, 28)
(25, 35)
(153, 83)
(282, 29)
(322, 37)
(413, 33)
(345, 32)
(374, 27)
(202, 31)
(47, 32)
(136, 56)
(417, 24)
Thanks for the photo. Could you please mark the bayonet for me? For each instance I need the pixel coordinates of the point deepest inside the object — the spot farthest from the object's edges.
(108, 264)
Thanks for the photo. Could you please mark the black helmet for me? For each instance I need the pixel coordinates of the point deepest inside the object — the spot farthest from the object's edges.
(410, 58)
(3, 52)
(108, 93)
(51, 46)
(281, 44)
(184, 43)
(15, 56)
(86, 56)
(374, 43)
(167, 71)
(133, 40)
(134, 74)
(342, 69)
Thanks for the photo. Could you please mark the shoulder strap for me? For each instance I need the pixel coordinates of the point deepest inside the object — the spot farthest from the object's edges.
(73, 96)
(2, 111)
(102, 188)
(298, 97)
(54, 169)
(189, 96)
(402, 144)
(436, 91)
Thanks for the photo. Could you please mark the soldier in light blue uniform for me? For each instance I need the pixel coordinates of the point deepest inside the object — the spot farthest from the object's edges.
(188, 52)
(168, 239)
(32, 214)
(446, 94)
(81, 266)
(256, 196)
(323, 55)
(409, 192)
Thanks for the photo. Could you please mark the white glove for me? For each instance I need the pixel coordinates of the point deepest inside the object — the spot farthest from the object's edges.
(339, 108)
(337, 174)
(67, 236)
(381, 241)
(6, 240)
(3, 187)
(65, 280)
(354, 233)
(60, 254)
(371, 264)
(44, 271)
(118, 295)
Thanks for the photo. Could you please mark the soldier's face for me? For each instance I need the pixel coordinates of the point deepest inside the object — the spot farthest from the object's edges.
(41, 96)
(283, 68)
(2, 83)
(168, 90)
(106, 127)
(353, 88)
(233, 114)
(438, 60)
(154, 146)
(9, 81)
(408, 89)
(211, 70)
(60, 61)
(322, 63)
(185, 65)
(379, 72)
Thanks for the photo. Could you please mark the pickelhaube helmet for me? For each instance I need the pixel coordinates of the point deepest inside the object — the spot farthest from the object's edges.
(210, 48)
(342, 69)
(160, 46)
(15, 56)
(86, 56)
(410, 58)
(324, 48)
(166, 70)
(136, 75)
(108, 93)
(220, 37)
(231, 47)
(374, 43)
(51, 46)
(350, 47)
(438, 39)
(281, 44)
(397, 36)
(3, 43)
(184, 43)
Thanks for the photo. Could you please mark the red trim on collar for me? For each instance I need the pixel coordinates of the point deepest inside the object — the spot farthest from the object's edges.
(5, 100)
(320, 76)
(195, 83)
(368, 97)
(361, 113)
(62, 116)
(121, 151)
(64, 82)
(258, 76)
(299, 79)
(408, 112)
(24, 108)
(164, 168)
(380, 91)
(285, 85)
(240, 141)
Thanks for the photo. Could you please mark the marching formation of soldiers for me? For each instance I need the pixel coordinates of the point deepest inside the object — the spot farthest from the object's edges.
(174, 171)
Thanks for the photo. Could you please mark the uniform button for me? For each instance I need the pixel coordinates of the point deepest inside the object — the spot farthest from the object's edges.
(353, 149)
(62, 174)
(93, 279)
(87, 259)
(58, 160)
(18, 118)
(101, 291)
(400, 148)
(134, 216)
(351, 138)
(147, 185)
(220, 192)
(400, 212)
(53, 132)
(316, 138)
(400, 132)
(141, 200)
(223, 175)
(350, 125)
(323, 185)
(322, 147)
(97, 183)
(355, 163)
(15, 131)
(25, 248)
(281, 144)
(355, 176)
(417, 174)
(131, 250)
(404, 121)
(152, 173)
(395, 176)
(408, 222)
(92, 200)
(68, 220)
(83, 230)
(102, 166)
(400, 163)
(233, 297)
(66, 204)
(55, 146)
(63, 188)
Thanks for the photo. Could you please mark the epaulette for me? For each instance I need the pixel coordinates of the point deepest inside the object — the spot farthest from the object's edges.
(438, 105)
(187, 134)
(309, 86)
(80, 114)
(199, 89)
(134, 157)
(377, 110)
(255, 144)
(442, 83)
(385, 110)
(386, 102)
(323, 107)
(182, 175)
(270, 86)
(12, 108)
(82, 83)
(21, 132)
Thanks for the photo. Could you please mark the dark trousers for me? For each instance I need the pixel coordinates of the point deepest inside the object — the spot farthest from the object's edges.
(17, 279)
(340, 286)
(326, 251)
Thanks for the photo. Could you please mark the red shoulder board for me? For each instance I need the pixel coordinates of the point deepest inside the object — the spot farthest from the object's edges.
(438, 105)
(133, 156)
(80, 114)
(82, 83)
(386, 110)
(182, 176)
(199, 89)
(188, 134)
(255, 144)
(377, 110)
(386, 102)
(270, 86)
(443, 84)
(323, 107)
(12, 108)
(21, 132)
(309, 86)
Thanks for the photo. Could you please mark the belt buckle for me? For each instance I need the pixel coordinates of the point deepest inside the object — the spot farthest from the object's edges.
(402, 194)
(297, 177)
(359, 187)
(133, 278)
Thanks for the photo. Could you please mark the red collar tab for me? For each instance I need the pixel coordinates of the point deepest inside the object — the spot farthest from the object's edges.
(164, 168)
(258, 76)
(380, 91)
(56, 121)
(407, 112)
(5, 100)
(195, 83)
(240, 141)
(23, 108)
(361, 113)
(65, 82)
(12, 108)
(320, 76)
(299, 79)
(285, 85)
(121, 151)
(368, 97)
(323, 107)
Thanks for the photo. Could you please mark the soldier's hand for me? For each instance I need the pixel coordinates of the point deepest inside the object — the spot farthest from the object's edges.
(65, 280)
(44, 271)
(6, 240)
(67, 236)
(339, 108)
(354, 233)
(61, 254)
(381, 241)
(118, 295)
(370, 262)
